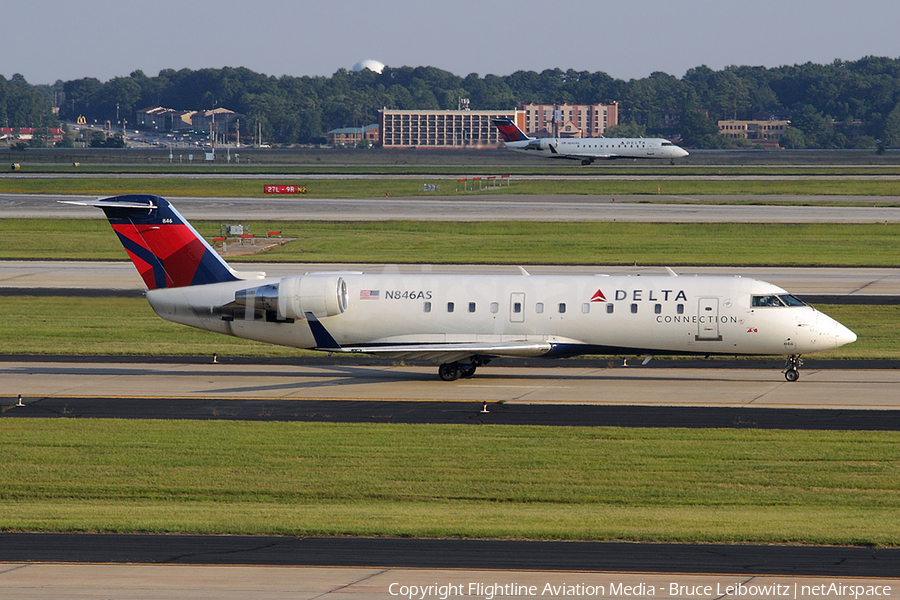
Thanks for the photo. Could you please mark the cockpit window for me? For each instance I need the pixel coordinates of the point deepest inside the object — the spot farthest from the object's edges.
(779, 300)
(791, 300)
(666, 144)
(766, 301)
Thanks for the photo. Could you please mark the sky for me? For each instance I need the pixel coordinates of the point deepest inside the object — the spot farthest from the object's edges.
(48, 40)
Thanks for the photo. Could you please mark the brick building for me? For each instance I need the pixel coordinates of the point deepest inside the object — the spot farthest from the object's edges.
(569, 120)
(353, 135)
(442, 128)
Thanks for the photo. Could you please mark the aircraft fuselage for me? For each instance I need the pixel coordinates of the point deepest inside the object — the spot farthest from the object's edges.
(558, 315)
(589, 149)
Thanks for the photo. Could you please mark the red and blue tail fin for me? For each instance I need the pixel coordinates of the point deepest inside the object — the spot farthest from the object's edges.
(163, 246)
(509, 131)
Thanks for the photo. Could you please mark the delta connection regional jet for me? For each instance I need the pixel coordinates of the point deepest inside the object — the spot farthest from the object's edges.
(462, 322)
(587, 150)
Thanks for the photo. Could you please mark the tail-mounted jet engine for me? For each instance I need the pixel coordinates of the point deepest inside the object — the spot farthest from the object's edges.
(293, 297)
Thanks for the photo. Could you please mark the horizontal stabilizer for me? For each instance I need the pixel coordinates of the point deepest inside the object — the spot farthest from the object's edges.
(113, 203)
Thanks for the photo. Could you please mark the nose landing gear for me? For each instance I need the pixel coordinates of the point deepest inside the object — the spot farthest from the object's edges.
(792, 367)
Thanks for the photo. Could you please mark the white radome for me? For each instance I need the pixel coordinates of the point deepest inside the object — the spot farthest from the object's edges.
(372, 65)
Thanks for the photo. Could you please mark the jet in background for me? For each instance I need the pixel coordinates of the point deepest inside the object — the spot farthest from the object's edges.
(462, 321)
(587, 150)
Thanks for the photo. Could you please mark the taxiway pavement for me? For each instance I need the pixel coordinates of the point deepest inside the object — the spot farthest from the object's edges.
(23, 581)
(562, 207)
(608, 384)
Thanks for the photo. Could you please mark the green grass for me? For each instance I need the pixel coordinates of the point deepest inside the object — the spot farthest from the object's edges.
(450, 481)
(110, 326)
(128, 326)
(504, 242)
(375, 187)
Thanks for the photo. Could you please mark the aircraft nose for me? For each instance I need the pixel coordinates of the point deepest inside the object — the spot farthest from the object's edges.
(843, 336)
(682, 153)
(839, 334)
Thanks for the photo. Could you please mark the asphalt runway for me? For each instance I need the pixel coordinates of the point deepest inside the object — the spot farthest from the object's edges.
(656, 208)
(833, 561)
(472, 413)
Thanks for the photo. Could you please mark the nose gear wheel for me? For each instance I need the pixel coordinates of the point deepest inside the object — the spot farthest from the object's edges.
(792, 367)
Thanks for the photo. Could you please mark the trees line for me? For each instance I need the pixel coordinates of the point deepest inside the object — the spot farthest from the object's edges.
(822, 101)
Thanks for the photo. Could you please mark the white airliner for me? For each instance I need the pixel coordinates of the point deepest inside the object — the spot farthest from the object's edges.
(462, 321)
(587, 150)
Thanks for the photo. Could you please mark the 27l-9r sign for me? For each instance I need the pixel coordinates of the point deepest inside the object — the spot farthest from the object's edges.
(285, 189)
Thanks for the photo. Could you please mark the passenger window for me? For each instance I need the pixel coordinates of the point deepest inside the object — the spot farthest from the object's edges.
(539, 308)
(517, 307)
(495, 307)
(634, 309)
(657, 308)
(680, 309)
(428, 307)
(450, 307)
(562, 307)
(585, 308)
(609, 308)
(471, 307)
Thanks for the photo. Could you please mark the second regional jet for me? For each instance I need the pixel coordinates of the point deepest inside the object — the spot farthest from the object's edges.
(587, 150)
(462, 321)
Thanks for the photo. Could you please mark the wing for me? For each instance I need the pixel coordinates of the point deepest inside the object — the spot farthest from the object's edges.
(437, 352)
(605, 156)
(446, 353)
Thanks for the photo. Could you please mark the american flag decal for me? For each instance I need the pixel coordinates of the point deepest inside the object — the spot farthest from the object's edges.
(368, 294)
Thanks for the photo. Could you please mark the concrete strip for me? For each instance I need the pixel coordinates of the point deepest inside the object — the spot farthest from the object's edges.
(162, 582)
(605, 385)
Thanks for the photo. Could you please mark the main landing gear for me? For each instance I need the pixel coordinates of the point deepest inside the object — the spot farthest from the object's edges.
(455, 370)
(792, 367)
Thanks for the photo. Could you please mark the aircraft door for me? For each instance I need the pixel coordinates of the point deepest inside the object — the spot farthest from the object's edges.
(517, 307)
(708, 320)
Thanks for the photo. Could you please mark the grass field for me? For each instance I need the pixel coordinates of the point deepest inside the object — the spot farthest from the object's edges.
(450, 481)
(509, 242)
(375, 187)
(418, 160)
